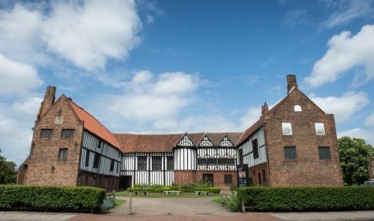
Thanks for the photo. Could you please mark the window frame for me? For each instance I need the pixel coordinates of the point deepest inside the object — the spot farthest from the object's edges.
(320, 126)
(96, 161)
(87, 160)
(46, 133)
(322, 154)
(63, 154)
(170, 163)
(142, 164)
(290, 155)
(111, 165)
(255, 148)
(227, 178)
(67, 133)
(285, 126)
(157, 163)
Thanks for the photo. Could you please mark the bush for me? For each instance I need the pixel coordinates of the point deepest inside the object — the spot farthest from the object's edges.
(307, 198)
(233, 204)
(13, 197)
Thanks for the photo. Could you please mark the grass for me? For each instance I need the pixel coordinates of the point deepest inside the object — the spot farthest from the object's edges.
(161, 195)
(119, 202)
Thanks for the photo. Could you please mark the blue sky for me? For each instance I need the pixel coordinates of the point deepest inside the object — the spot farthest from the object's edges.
(174, 66)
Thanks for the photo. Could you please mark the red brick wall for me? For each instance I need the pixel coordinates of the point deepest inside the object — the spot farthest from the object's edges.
(218, 177)
(307, 169)
(44, 154)
(184, 176)
(256, 178)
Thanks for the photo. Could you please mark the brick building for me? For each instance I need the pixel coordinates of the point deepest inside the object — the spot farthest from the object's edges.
(294, 143)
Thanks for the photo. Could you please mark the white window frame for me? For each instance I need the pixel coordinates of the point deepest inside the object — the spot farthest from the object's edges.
(287, 128)
(320, 128)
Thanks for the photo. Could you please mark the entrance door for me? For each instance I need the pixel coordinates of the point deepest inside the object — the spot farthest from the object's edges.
(208, 178)
(125, 182)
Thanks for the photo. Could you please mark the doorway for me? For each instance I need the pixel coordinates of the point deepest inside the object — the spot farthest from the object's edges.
(125, 182)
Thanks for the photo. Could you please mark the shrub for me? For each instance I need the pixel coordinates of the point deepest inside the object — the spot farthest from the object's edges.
(307, 198)
(233, 204)
(50, 198)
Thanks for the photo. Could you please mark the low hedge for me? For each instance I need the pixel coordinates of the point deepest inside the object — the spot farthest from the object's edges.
(48, 198)
(307, 198)
(188, 190)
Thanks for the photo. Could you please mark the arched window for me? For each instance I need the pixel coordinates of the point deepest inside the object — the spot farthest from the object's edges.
(297, 108)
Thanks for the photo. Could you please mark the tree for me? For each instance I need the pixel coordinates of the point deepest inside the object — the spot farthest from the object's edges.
(8, 173)
(355, 155)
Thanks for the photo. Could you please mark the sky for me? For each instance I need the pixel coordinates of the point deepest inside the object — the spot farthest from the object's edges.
(168, 66)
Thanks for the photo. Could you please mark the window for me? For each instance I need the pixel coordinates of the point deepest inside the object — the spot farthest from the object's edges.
(67, 133)
(96, 160)
(290, 153)
(142, 163)
(286, 128)
(324, 153)
(228, 179)
(297, 108)
(86, 163)
(47, 133)
(241, 157)
(63, 154)
(320, 128)
(170, 163)
(99, 144)
(255, 148)
(111, 165)
(156, 163)
(263, 176)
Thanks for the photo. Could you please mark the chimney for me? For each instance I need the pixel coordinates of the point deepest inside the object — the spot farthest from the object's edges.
(264, 108)
(49, 100)
(291, 82)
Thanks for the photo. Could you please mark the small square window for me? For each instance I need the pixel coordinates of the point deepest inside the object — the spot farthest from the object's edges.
(320, 128)
(228, 179)
(290, 153)
(324, 153)
(63, 154)
(46, 133)
(67, 133)
(286, 128)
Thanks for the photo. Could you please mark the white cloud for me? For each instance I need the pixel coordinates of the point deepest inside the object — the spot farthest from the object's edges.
(342, 107)
(359, 133)
(370, 120)
(88, 33)
(345, 52)
(148, 99)
(17, 78)
(347, 11)
(84, 33)
(249, 118)
(294, 17)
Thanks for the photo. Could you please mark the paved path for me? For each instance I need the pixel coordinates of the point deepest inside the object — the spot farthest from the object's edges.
(182, 209)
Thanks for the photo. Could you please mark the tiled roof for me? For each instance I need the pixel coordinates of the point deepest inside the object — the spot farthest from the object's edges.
(94, 126)
(165, 142)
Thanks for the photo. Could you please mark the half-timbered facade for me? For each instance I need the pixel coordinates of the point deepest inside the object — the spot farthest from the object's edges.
(293, 143)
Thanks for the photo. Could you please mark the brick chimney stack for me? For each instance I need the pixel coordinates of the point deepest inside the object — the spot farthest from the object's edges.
(264, 108)
(49, 100)
(291, 82)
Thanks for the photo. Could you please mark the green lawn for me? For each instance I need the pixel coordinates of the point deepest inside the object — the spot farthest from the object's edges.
(161, 195)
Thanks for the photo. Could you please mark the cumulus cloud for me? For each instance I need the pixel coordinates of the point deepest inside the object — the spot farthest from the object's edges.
(84, 33)
(88, 33)
(346, 11)
(17, 78)
(149, 98)
(342, 107)
(370, 120)
(358, 133)
(344, 53)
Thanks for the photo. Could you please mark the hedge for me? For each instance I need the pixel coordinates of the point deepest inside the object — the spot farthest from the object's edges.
(307, 198)
(161, 189)
(48, 198)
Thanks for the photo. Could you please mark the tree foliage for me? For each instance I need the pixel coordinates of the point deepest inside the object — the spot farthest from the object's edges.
(7, 171)
(355, 155)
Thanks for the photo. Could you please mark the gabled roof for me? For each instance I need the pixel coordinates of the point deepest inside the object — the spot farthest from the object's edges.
(259, 122)
(94, 126)
(130, 143)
